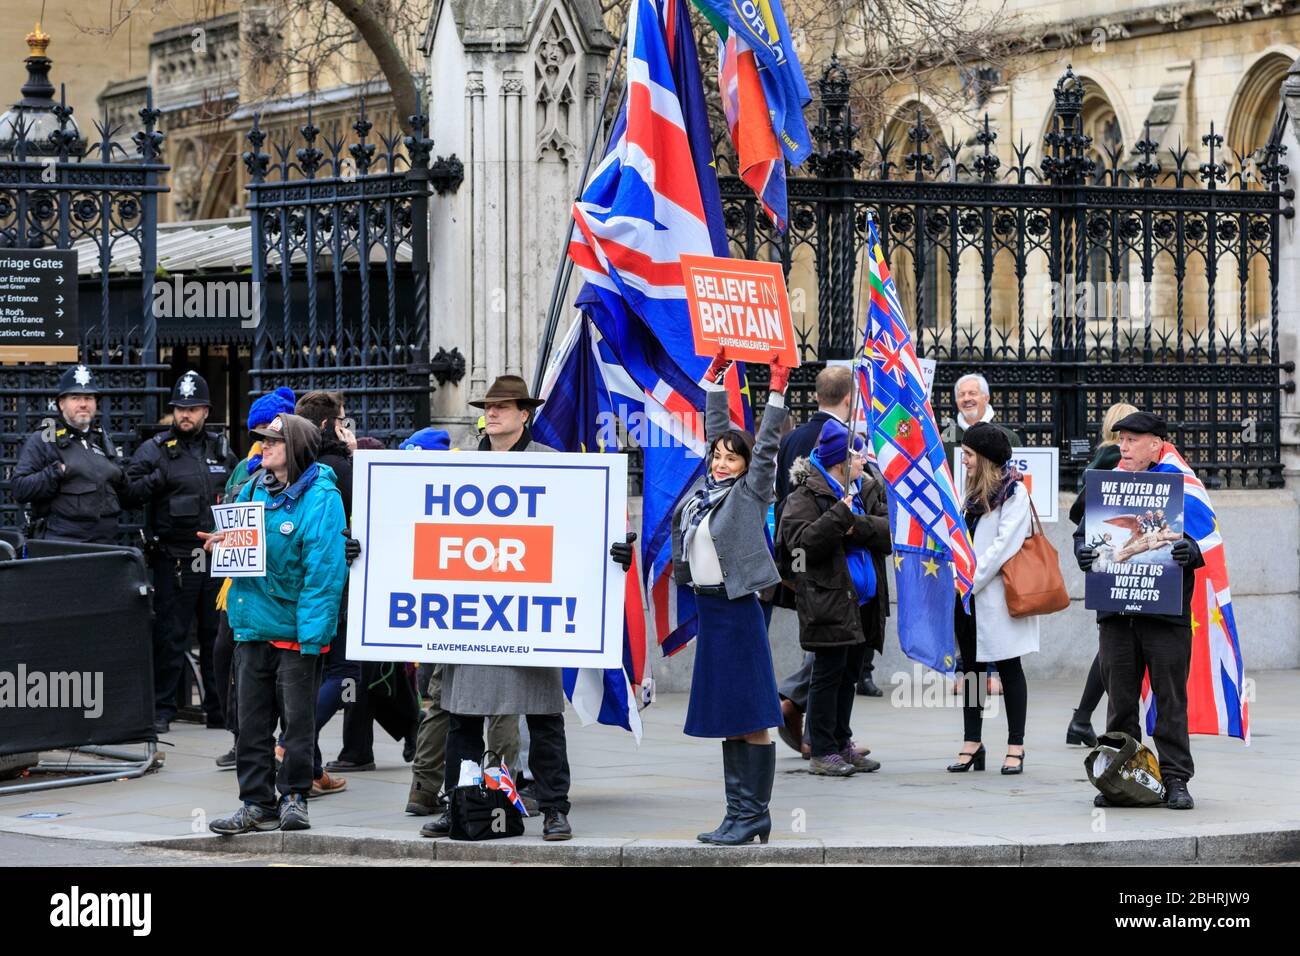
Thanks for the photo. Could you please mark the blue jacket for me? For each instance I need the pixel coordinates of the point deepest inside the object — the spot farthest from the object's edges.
(298, 600)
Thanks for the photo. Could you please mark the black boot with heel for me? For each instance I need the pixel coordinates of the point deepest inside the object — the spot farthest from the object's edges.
(732, 765)
(1080, 732)
(753, 795)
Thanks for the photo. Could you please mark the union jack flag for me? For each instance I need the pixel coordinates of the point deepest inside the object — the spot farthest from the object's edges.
(653, 197)
(498, 778)
(642, 208)
(931, 549)
(1216, 702)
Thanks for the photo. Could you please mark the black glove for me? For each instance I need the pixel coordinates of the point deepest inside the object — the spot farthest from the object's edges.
(1182, 551)
(1087, 558)
(351, 547)
(621, 551)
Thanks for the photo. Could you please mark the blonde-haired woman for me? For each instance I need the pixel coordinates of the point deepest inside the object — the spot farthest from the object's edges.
(1106, 458)
(998, 517)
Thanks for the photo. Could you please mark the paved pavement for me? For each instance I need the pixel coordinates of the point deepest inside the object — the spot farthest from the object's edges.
(643, 805)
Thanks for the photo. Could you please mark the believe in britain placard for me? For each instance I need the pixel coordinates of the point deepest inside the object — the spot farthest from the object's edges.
(488, 558)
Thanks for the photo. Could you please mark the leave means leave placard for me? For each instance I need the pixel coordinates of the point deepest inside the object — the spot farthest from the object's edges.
(241, 549)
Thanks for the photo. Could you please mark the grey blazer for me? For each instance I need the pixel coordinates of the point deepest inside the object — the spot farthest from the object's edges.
(500, 688)
(737, 522)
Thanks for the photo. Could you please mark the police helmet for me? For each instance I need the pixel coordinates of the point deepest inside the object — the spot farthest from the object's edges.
(190, 391)
(78, 380)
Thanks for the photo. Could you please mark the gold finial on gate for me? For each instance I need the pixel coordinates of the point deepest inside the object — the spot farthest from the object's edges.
(37, 41)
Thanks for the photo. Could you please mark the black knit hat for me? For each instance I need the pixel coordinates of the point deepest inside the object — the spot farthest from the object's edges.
(1143, 423)
(988, 441)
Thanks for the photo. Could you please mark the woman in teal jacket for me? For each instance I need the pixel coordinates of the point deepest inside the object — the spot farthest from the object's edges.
(282, 622)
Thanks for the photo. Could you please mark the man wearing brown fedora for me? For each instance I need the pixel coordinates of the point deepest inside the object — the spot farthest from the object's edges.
(471, 692)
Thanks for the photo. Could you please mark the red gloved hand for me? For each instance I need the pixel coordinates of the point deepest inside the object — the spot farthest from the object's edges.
(779, 377)
(716, 370)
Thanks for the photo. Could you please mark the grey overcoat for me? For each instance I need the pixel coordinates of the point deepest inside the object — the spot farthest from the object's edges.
(739, 521)
(492, 689)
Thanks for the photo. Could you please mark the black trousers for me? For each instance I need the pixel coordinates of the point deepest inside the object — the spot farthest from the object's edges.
(548, 755)
(1093, 688)
(183, 597)
(835, 674)
(223, 659)
(1015, 691)
(385, 694)
(1131, 646)
(274, 684)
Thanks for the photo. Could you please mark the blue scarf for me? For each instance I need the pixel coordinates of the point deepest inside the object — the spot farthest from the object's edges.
(861, 569)
(707, 498)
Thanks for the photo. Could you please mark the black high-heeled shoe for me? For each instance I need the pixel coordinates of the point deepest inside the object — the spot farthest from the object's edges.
(1018, 768)
(976, 761)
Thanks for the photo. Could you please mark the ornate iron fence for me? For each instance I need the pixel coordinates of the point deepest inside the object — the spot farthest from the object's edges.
(320, 214)
(55, 193)
(1084, 281)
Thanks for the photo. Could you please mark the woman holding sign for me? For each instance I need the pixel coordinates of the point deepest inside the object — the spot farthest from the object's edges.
(282, 622)
(998, 517)
(720, 549)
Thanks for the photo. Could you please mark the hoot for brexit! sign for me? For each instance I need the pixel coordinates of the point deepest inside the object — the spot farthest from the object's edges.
(740, 307)
(488, 558)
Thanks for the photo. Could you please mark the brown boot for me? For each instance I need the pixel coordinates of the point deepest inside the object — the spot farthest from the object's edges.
(791, 729)
(324, 785)
(423, 802)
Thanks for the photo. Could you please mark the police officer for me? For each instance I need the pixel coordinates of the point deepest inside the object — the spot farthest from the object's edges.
(180, 474)
(69, 472)
(1158, 644)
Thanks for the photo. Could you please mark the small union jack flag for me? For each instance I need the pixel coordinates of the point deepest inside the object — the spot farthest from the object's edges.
(498, 778)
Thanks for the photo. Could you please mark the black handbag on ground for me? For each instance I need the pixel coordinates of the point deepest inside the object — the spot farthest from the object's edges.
(481, 813)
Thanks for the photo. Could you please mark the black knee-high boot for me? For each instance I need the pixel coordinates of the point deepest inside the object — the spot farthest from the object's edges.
(758, 772)
(732, 765)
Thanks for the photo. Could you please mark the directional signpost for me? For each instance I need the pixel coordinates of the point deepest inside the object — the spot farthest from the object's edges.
(38, 306)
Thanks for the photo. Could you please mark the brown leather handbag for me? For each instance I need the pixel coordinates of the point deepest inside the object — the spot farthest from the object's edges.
(1032, 576)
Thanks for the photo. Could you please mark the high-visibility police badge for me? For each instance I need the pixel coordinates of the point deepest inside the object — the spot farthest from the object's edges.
(187, 386)
(286, 527)
(82, 375)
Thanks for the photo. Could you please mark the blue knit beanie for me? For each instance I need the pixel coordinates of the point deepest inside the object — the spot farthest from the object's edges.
(427, 439)
(833, 443)
(264, 409)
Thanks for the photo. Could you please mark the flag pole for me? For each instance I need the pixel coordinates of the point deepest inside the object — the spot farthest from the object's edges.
(564, 268)
(853, 366)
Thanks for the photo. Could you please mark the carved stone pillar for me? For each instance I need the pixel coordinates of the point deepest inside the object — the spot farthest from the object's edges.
(1288, 291)
(516, 89)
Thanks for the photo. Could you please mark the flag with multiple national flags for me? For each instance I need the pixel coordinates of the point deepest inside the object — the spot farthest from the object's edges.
(1216, 699)
(931, 547)
(763, 95)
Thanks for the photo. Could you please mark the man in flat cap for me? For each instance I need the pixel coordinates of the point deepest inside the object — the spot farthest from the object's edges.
(1160, 644)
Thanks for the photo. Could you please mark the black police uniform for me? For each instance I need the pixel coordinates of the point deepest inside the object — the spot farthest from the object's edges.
(180, 477)
(70, 478)
(1130, 645)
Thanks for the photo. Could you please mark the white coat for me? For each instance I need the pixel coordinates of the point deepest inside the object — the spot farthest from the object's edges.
(998, 536)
